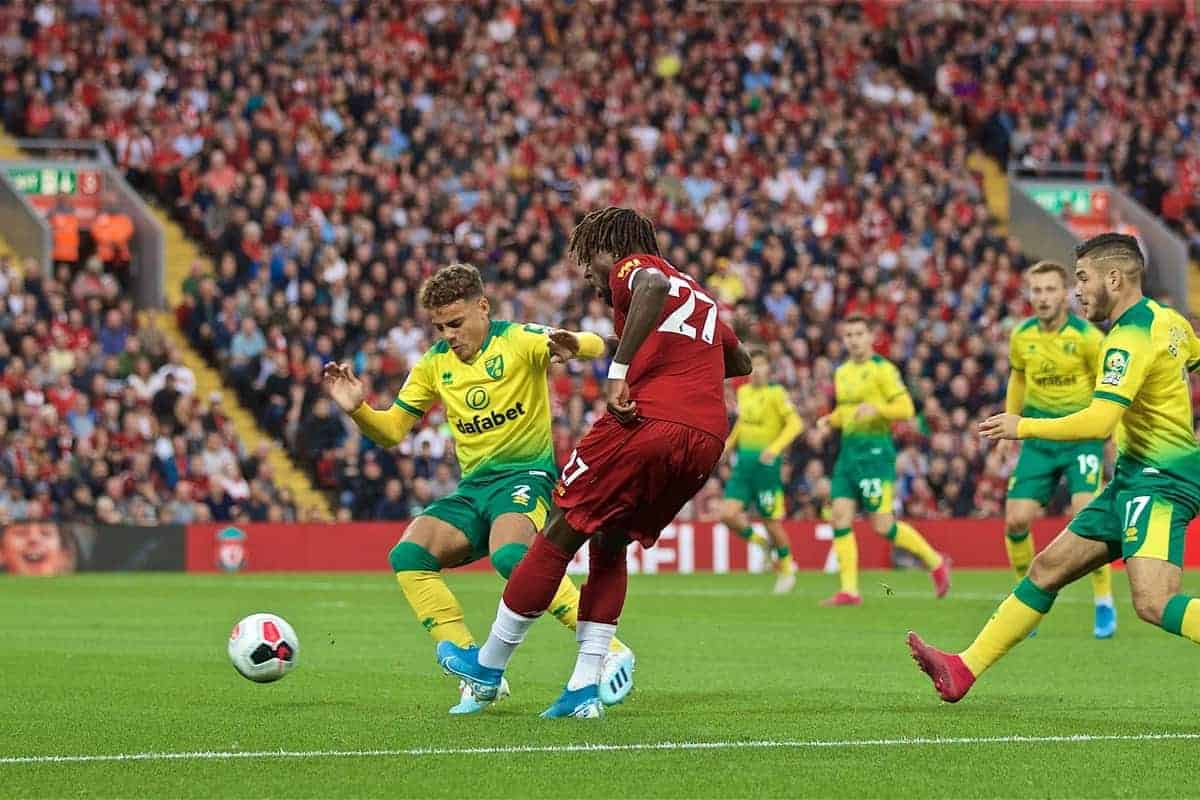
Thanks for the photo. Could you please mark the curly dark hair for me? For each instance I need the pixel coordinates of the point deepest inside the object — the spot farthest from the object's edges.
(620, 231)
(451, 283)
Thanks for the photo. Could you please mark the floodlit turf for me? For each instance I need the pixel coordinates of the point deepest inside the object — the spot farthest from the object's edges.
(134, 664)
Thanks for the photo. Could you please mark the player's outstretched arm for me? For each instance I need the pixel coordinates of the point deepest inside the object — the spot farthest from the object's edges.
(565, 345)
(385, 428)
(1097, 421)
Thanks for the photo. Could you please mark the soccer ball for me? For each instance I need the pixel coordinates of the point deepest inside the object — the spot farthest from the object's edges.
(263, 647)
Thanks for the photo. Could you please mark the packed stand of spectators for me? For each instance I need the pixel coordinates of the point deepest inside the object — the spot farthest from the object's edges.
(1119, 87)
(99, 421)
(333, 157)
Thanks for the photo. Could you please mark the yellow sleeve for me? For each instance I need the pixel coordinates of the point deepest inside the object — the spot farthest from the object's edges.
(792, 425)
(385, 428)
(591, 345)
(1014, 395)
(1127, 356)
(1097, 421)
(419, 391)
(531, 341)
(897, 403)
(731, 440)
(1015, 360)
(534, 342)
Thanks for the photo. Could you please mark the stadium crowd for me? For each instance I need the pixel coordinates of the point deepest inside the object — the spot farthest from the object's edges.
(1118, 87)
(99, 419)
(332, 156)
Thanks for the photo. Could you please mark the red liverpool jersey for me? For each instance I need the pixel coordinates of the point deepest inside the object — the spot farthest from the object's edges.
(679, 371)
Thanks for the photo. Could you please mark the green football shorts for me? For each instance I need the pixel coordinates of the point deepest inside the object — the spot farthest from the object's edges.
(1042, 464)
(475, 505)
(756, 485)
(865, 471)
(1143, 513)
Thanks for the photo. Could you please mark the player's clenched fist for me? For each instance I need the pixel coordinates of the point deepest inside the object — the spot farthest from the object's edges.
(340, 383)
(619, 404)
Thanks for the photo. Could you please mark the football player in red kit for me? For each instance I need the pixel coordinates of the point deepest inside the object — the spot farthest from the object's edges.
(633, 471)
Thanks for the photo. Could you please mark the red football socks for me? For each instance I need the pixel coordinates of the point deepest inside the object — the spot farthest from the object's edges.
(603, 596)
(535, 581)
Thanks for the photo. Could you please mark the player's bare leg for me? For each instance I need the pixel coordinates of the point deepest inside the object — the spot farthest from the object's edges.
(905, 536)
(733, 514)
(1105, 625)
(1155, 585)
(1066, 559)
(846, 548)
(785, 565)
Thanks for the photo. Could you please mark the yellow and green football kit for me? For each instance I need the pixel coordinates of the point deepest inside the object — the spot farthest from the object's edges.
(1055, 369)
(1142, 387)
(498, 409)
(865, 470)
(1155, 492)
(766, 422)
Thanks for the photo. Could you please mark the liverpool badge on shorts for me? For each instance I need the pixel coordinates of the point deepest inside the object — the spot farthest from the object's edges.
(495, 367)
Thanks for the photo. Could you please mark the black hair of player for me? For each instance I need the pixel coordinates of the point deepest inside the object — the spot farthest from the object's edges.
(618, 231)
(1112, 245)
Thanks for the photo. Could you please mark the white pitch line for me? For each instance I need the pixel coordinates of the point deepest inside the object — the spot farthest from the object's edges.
(216, 755)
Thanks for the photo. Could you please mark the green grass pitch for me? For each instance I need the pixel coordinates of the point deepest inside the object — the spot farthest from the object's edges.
(795, 700)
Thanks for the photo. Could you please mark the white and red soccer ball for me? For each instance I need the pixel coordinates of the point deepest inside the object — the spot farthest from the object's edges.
(263, 647)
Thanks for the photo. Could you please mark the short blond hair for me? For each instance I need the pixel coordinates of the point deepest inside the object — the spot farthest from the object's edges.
(1046, 267)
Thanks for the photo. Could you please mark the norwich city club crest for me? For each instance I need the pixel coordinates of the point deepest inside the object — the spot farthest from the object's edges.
(495, 367)
(1116, 362)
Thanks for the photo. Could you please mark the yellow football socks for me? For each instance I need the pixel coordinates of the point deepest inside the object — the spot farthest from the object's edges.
(1020, 552)
(436, 607)
(1102, 584)
(1182, 617)
(565, 605)
(753, 537)
(907, 537)
(1014, 620)
(846, 548)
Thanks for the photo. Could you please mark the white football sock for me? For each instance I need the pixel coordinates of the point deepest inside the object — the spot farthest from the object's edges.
(594, 639)
(508, 631)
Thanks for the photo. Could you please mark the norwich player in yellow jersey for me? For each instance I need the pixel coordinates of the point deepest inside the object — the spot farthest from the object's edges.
(870, 397)
(767, 423)
(1053, 356)
(491, 378)
(1142, 393)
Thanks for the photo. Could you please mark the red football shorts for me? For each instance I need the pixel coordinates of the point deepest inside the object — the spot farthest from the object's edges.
(634, 479)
